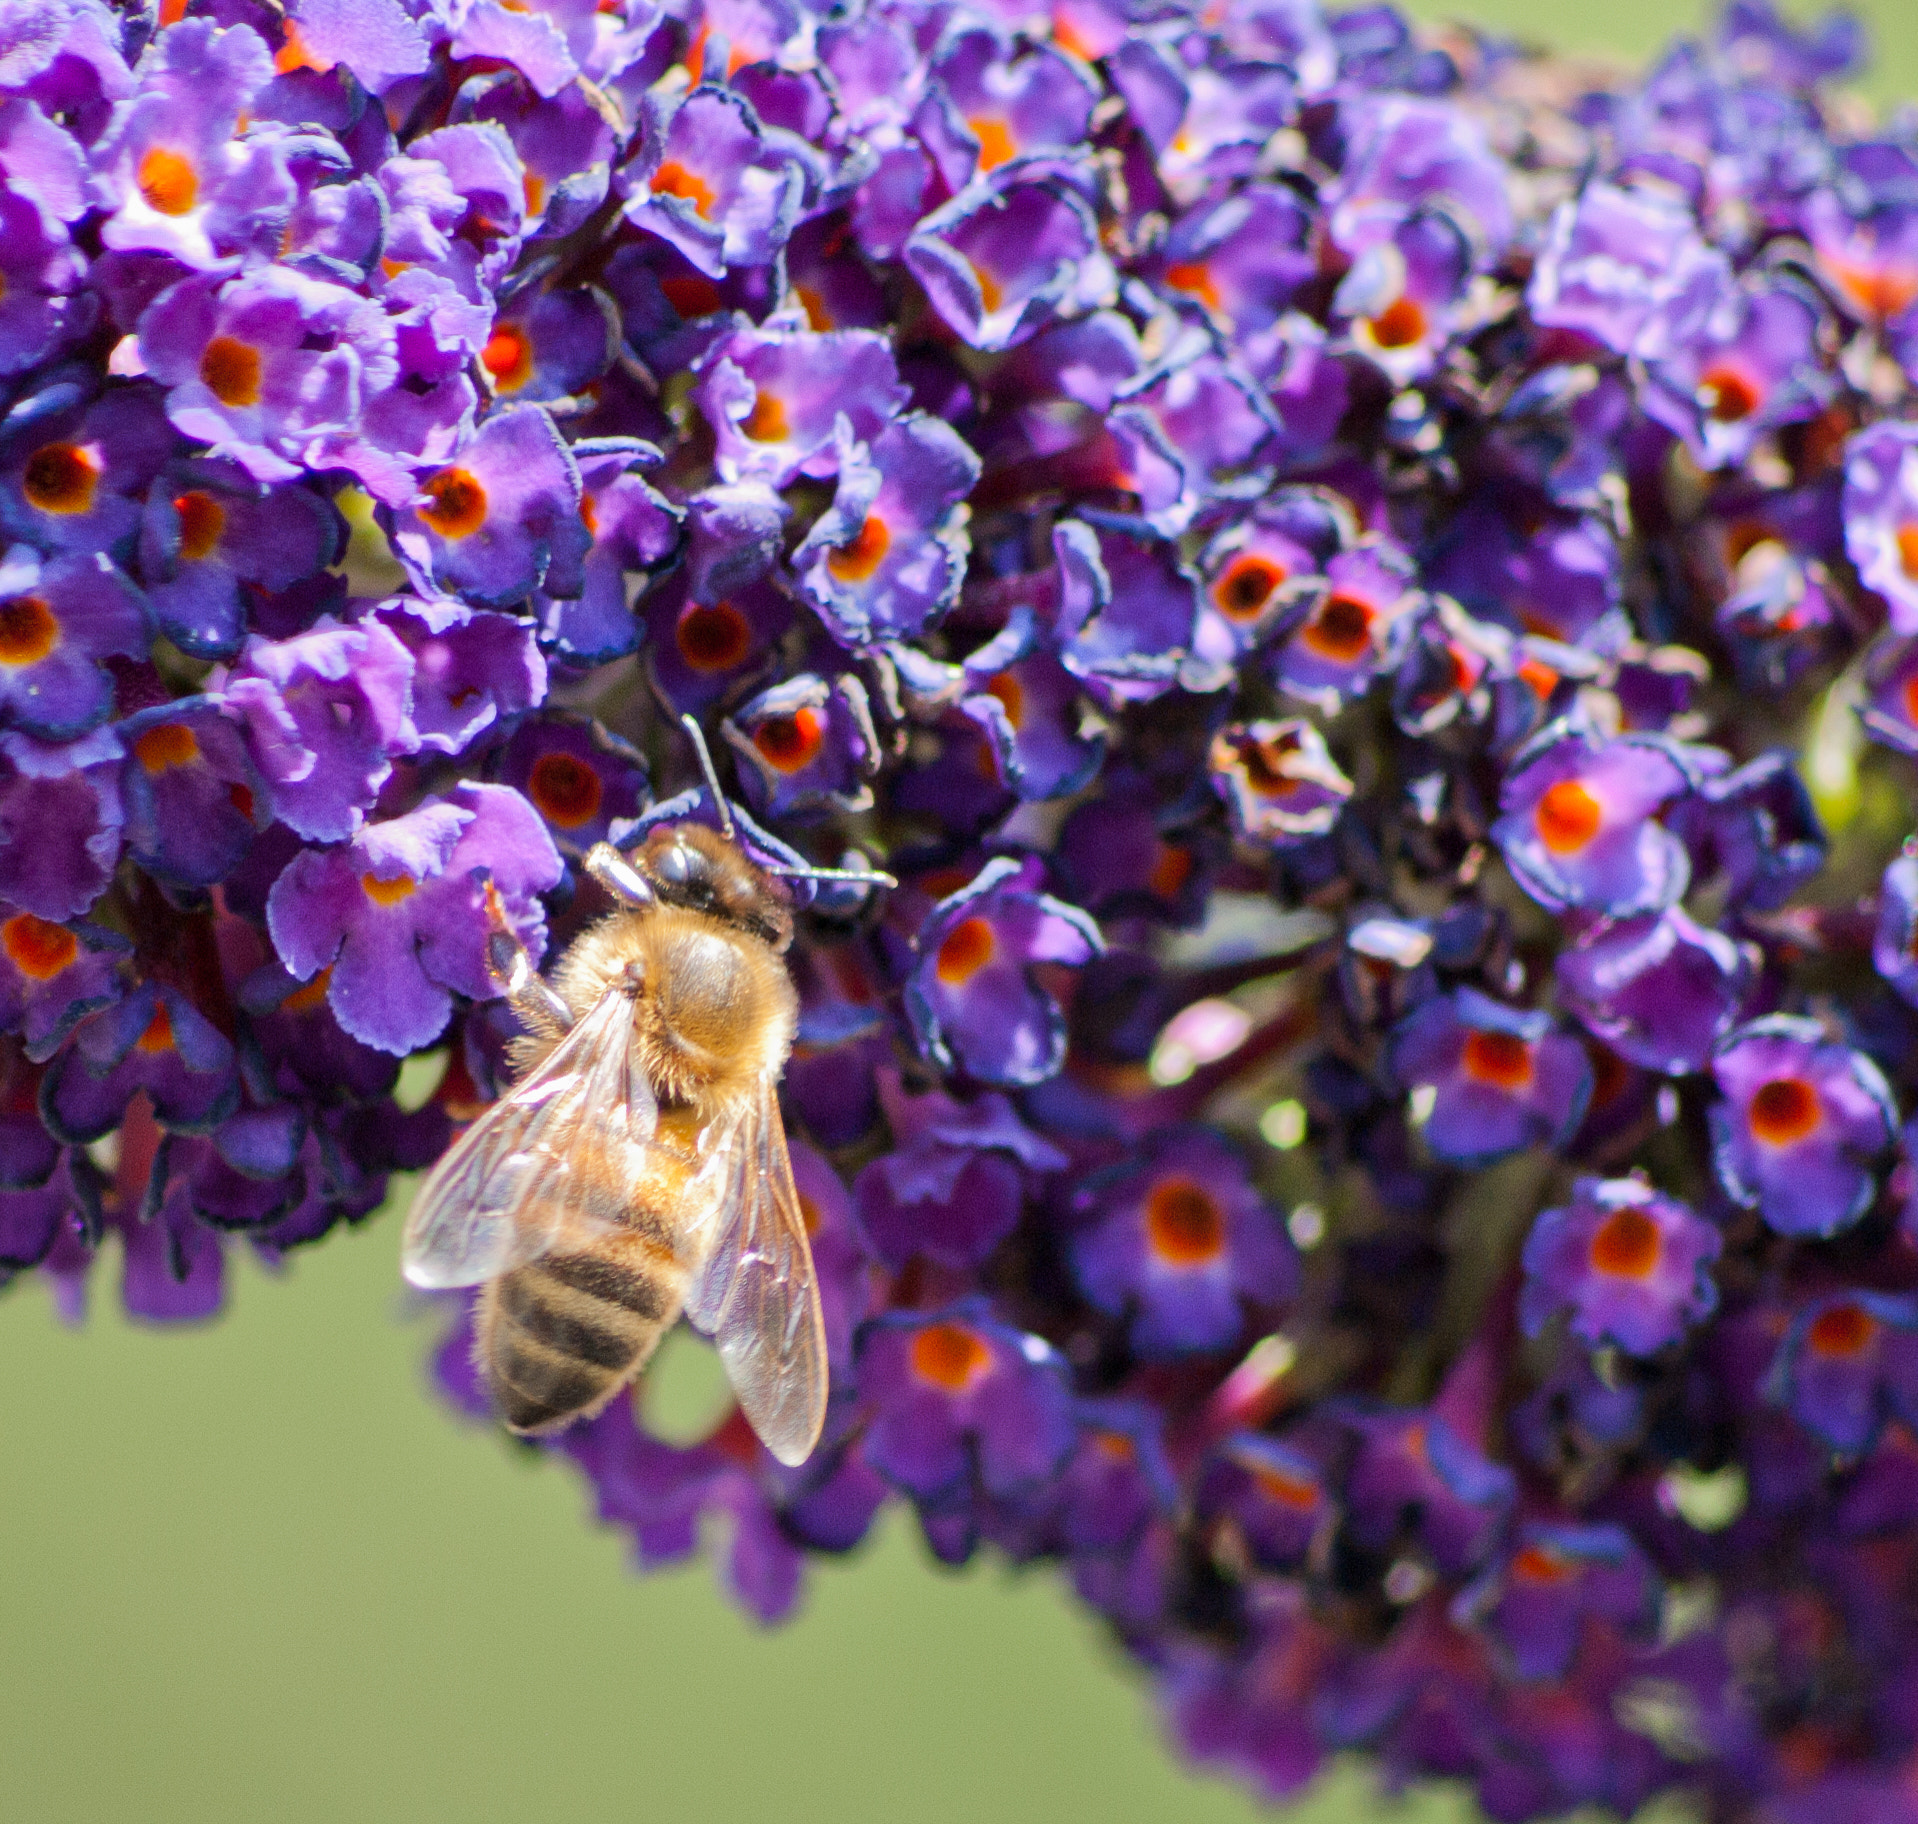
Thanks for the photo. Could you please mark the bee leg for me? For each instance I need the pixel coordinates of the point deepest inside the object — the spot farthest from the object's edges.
(537, 1005)
(618, 875)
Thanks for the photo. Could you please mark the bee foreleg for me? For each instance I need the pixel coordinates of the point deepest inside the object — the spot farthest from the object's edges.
(538, 1006)
(618, 875)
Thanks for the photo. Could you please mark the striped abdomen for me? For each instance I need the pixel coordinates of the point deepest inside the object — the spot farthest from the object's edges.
(558, 1338)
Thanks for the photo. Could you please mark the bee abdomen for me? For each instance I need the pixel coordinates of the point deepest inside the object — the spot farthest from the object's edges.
(559, 1338)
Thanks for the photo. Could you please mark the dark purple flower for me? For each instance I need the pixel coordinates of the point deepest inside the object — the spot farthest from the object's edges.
(1280, 780)
(1498, 1078)
(502, 519)
(1661, 991)
(699, 652)
(472, 670)
(973, 1001)
(1538, 1601)
(1328, 658)
(580, 778)
(1413, 1470)
(633, 529)
(1031, 709)
(956, 1392)
(56, 620)
(1272, 1494)
(60, 821)
(1179, 1245)
(1406, 153)
(809, 746)
(326, 713)
(1803, 1124)
(193, 796)
(1849, 1362)
(400, 916)
(952, 1187)
(1580, 827)
(51, 977)
(154, 1040)
(1632, 1266)
(72, 476)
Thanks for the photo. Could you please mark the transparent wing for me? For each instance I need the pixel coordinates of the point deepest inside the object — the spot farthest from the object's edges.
(561, 1150)
(756, 1296)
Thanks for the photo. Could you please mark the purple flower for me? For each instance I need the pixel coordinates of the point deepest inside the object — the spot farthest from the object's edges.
(154, 1040)
(56, 620)
(580, 778)
(51, 977)
(885, 561)
(973, 1000)
(633, 529)
(193, 796)
(1802, 1125)
(551, 346)
(1499, 1079)
(809, 745)
(1538, 1601)
(1405, 154)
(1243, 258)
(1003, 259)
(1849, 1362)
(1633, 1267)
(952, 1187)
(399, 916)
(1272, 1494)
(955, 1393)
(1031, 709)
(60, 821)
(1881, 517)
(1414, 1470)
(1329, 657)
(502, 519)
(1661, 991)
(325, 715)
(472, 670)
(1580, 823)
(71, 478)
(1279, 779)
(699, 652)
(1179, 1245)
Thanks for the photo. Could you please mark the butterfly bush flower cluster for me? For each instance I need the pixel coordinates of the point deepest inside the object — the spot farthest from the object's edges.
(1364, 585)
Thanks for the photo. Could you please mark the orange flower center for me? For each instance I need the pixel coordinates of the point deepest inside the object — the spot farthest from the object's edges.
(60, 478)
(508, 357)
(1567, 817)
(1171, 869)
(1728, 395)
(455, 503)
(1011, 695)
(1340, 629)
(38, 949)
(168, 182)
(692, 294)
(1502, 1059)
(305, 999)
(1296, 1492)
(28, 630)
(565, 789)
(1400, 324)
(296, 54)
(1784, 1110)
(712, 639)
(1843, 1329)
(991, 291)
(951, 1357)
(1908, 549)
(863, 553)
(812, 301)
(533, 189)
(966, 949)
(202, 520)
(1540, 1564)
(673, 179)
(809, 1213)
(790, 743)
(1184, 1227)
(230, 370)
(996, 144)
(1246, 587)
(767, 421)
(1626, 1245)
(1194, 278)
(170, 744)
(159, 1033)
(388, 892)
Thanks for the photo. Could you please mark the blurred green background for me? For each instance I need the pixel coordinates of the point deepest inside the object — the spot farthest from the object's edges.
(255, 1572)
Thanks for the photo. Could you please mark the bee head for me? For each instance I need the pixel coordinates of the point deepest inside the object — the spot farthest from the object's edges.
(692, 866)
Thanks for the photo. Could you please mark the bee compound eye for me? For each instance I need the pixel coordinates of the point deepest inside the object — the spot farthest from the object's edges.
(675, 865)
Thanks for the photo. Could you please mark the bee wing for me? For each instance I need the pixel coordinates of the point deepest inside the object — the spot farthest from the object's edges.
(538, 1159)
(757, 1296)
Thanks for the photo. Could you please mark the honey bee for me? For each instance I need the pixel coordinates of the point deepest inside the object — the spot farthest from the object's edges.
(638, 1167)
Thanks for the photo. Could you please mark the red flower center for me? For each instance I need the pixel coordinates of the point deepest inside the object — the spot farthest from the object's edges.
(1246, 587)
(1184, 1226)
(951, 1357)
(1728, 395)
(170, 744)
(455, 503)
(1340, 629)
(1908, 549)
(1194, 278)
(862, 554)
(996, 143)
(713, 639)
(202, 520)
(1502, 1059)
(673, 179)
(767, 421)
(1844, 1329)
(789, 744)
(1626, 1245)
(508, 357)
(28, 630)
(1400, 324)
(1567, 817)
(158, 1036)
(1540, 1564)
(566, 790)
(60, 478)
(230, 370)
(1784, 1110)
(1010, 694)
(38, 949)
(388, 892)
(966, 949)
(1296, 1492)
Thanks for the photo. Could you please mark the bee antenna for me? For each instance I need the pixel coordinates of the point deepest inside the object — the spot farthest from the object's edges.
(712, 777)
(865, 876)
